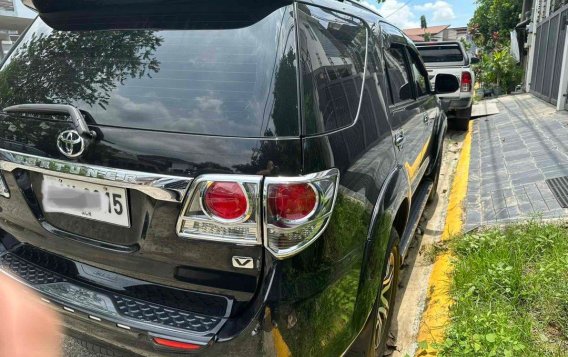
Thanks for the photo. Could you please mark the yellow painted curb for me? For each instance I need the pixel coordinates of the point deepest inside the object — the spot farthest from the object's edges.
(436, 316)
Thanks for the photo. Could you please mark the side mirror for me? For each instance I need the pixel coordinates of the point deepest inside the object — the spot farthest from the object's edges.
(474, 60)
(446, 83)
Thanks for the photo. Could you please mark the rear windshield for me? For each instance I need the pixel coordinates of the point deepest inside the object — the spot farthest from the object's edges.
(230, 82)
(441, 53)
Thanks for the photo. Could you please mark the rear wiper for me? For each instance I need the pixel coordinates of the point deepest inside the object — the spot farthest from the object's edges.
(76, 117)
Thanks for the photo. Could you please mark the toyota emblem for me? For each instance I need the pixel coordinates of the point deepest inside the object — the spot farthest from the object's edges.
(70, 143)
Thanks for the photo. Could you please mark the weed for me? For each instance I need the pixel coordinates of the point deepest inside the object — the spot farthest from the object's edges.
(510, 292)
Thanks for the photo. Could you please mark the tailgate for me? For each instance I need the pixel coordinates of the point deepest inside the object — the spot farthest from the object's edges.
(159, 108)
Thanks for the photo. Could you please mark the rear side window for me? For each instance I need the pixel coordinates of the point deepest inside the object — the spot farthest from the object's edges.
(398, 73)
(232, 82)
(441, 53)
(332, 62)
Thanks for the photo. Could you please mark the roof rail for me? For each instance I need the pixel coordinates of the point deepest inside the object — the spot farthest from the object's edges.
(358, 4)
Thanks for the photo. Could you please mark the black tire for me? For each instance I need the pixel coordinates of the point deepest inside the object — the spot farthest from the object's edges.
(461, 121)
(435, 174)
(380, 319)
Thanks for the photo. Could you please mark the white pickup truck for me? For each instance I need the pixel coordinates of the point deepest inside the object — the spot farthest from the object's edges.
(452, 58)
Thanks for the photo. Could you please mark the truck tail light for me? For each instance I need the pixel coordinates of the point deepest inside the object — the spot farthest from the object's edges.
(466, 82)
(290, 215)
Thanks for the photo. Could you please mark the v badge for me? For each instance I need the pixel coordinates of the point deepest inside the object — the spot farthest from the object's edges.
(243, 262)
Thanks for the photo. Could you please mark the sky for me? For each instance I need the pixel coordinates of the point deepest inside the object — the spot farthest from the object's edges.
(23, 11)
(406, 13)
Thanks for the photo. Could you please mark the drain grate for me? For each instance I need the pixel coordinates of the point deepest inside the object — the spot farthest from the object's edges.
(559, 186)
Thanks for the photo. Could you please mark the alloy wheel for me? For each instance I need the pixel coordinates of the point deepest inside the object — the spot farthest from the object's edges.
(386, 300)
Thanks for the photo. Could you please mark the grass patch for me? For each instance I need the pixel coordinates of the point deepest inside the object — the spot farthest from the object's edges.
(510, 292)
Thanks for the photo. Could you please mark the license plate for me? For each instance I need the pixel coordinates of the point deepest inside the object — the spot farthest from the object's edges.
(87, 200)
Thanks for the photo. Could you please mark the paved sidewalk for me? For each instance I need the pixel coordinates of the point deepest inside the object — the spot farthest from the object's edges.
(512, 154)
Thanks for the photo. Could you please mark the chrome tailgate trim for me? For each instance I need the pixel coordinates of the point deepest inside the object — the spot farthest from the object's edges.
(160, 187)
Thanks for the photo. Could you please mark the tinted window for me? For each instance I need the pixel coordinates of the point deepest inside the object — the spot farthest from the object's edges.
(237, 82)
(420, 74)
(393, 33)
(332, 62)
(441, 53)
(398, 74)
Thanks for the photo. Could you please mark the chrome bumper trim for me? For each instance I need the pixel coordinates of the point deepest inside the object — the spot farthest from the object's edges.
(160, 187)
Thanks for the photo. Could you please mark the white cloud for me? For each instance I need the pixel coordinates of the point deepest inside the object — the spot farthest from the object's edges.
(396, 12)
(441, 11)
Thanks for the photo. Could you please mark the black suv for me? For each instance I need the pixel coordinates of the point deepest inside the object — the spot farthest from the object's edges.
(216, 177)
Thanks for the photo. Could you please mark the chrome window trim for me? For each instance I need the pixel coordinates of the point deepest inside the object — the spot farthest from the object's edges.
(241, 179)
(153, 185)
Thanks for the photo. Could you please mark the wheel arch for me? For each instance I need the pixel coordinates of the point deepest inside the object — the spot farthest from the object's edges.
(391, 211)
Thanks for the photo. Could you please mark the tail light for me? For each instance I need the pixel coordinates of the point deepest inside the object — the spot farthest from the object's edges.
(297, 210)
(229, 208)
(225, 201)
(223, 208)
(176, 344)
(466, 82)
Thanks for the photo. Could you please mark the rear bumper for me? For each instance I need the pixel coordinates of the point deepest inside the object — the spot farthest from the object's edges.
(109, 318)
(449, 104)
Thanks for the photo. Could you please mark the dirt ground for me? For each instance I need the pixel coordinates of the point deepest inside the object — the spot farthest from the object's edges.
(418, 264)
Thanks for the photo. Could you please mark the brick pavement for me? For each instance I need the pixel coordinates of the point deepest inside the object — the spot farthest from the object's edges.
(512, 154)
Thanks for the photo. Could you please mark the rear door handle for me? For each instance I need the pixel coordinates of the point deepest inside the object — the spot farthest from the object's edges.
(399, 140)
(426, 118)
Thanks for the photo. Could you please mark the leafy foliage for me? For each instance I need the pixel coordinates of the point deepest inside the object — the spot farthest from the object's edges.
(493, 20)
(499, 69)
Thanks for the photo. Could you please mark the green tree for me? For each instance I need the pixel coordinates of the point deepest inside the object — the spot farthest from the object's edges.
(493, 20)
(423, 23)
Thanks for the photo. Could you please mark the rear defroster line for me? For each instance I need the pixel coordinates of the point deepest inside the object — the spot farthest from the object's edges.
(124, 312)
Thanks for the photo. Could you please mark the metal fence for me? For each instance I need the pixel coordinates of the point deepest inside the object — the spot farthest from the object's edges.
(548, 54)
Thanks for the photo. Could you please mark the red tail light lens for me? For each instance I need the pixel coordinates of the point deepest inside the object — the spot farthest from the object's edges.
(176, 344)
(466, 82)
(226, 200)
(292, 202)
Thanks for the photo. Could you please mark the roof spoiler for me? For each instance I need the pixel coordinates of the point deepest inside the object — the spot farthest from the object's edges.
(158, 14)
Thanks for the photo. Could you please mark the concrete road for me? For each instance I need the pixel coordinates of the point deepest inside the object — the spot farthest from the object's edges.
(72, 348)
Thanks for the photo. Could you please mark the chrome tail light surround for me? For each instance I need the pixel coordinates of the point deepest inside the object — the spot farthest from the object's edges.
(196, 222)
(282, 238)
(287, 238)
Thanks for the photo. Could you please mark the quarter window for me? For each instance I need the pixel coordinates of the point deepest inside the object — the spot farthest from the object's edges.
(332, 62)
